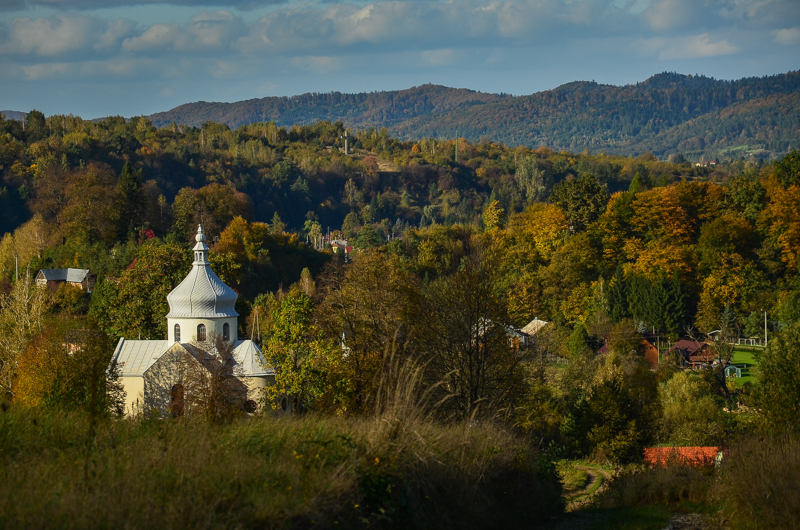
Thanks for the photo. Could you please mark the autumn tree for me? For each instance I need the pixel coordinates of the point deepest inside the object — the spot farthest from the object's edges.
(464, 342)
(136, 305)
(213, 206)
(66, 366)
(367, 306)
(21, 314)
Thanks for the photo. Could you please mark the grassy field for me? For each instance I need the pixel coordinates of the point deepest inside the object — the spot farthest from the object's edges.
(744, 358)
(265, 472)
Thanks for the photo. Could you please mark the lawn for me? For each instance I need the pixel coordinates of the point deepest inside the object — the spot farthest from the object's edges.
(745, 359)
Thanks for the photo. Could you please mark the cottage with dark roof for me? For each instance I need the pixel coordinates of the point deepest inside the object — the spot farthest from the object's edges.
(53, 278)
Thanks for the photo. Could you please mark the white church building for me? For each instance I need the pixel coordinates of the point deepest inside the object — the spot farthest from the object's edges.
(201, 309)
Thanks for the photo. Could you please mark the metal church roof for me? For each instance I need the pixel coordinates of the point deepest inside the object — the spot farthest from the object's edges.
(134, 357)
(202, 294)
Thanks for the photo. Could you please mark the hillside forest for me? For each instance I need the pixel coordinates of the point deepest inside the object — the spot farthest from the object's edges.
(699, 117)
(456, 244)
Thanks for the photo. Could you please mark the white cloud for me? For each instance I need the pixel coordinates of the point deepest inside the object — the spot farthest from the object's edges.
(405, 41)
(691, 47)
(51, 36)
(787, 36)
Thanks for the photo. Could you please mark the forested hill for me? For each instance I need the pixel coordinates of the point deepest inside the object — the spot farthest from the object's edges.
(668, 113)
(375, 109)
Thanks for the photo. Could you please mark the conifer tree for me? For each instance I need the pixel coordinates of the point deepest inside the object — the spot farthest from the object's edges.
(578, 341)
(674, 305)
(618, 296)
(130, 201)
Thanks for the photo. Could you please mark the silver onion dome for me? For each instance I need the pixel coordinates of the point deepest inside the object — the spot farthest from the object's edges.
(202, 294)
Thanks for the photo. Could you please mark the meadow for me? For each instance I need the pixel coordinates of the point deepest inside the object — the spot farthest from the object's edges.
(65, 470)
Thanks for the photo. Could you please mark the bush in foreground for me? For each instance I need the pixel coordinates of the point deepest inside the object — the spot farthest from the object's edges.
(264, 472)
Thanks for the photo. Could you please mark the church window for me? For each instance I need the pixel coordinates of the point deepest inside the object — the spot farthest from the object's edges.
(226, 331)
(177, 332)
(201, 332)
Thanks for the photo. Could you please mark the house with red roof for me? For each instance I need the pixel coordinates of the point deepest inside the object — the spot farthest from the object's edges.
(693, 354)
(693, 456)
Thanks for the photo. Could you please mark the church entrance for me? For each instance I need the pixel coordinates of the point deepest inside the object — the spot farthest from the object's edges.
(176, 401)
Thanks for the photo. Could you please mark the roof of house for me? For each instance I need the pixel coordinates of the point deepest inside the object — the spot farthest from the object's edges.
(697, 456)
(689, 346)
(533, 327)
(202, 294)
(134, 357)
(63, 275)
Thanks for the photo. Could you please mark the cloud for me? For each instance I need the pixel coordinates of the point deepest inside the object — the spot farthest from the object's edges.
(85, 5)
(691, 47)
(205, 32)
(787, 36)
(478, 43)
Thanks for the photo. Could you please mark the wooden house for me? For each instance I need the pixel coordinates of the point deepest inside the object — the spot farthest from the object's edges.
(692, 353)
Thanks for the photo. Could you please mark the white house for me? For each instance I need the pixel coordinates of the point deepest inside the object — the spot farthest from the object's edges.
(201, 307)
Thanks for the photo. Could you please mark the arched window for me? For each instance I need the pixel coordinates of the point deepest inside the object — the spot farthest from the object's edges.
(226, 331)
(177, 332)
(201, 332)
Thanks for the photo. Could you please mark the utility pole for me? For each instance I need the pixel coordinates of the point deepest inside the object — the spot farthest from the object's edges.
(765, 328)
(346, 137)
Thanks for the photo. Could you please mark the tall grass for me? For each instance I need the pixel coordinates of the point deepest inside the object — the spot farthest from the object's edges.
(275, 472)
(760, 482)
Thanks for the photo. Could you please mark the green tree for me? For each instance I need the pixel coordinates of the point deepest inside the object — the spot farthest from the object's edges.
(618, 296)
(637, 184)
(778, 379)
(675, 313)
(129, 201)
(691, 415)
(367, 237)
(579, 341)
(297, 352)
(787, 169)
(35, 126)
(136, 307)
(582, 199)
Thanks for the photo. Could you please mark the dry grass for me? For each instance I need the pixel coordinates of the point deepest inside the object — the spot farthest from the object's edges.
(270, 472)
(760, 482)
(670, 485)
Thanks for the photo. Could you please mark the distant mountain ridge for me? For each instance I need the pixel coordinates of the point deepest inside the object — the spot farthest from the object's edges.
(664, 114)
(13, 114)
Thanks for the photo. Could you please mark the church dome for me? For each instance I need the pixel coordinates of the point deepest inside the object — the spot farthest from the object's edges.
(202, 294)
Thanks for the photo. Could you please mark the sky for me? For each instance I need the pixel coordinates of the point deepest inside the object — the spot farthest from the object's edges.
(95, 58)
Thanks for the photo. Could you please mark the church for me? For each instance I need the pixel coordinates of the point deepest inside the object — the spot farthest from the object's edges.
(156, 374)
